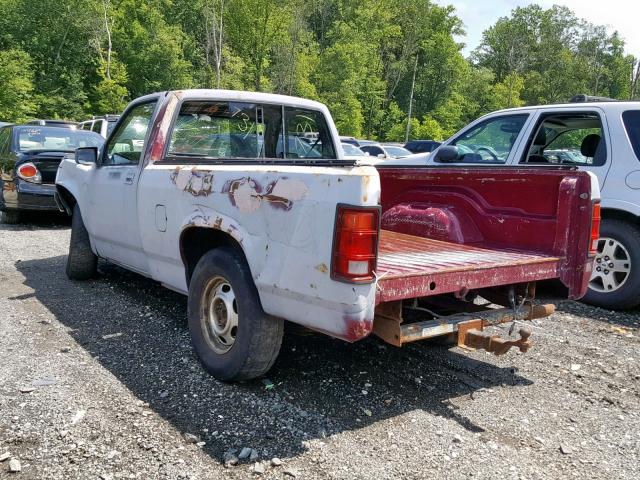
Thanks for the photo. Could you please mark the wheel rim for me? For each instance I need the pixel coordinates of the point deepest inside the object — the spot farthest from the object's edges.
(220, 315)
(611, 267)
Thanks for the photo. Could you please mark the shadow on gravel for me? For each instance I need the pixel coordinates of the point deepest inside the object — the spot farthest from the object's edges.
(36, 220)
(319, 386)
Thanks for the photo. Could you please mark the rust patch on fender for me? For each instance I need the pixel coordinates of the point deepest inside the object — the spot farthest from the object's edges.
(198, 183)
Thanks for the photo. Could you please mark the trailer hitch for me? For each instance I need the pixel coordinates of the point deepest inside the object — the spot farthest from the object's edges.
(470, 335)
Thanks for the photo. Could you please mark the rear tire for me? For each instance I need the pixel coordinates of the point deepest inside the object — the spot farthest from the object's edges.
(617, 284)
(11, 217)
(232, 335)
(82, 263)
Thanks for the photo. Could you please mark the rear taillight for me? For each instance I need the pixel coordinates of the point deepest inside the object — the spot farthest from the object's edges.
(595, 229)
(355, 245)
(29, 172)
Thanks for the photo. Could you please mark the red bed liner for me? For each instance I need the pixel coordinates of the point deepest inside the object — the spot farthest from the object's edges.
(411, 267)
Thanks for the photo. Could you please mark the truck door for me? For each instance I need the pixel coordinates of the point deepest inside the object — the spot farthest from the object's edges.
(113, 218)
(577, 136)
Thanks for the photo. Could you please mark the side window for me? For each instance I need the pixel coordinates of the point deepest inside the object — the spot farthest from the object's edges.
(307, 135)
(568, 138)
(631, 121)
(126, 145)
(490, 141)
(97, 126)
(372, 150)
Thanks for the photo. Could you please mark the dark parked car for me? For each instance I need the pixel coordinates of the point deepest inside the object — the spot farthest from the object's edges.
(422, 146)
(54, 123)
(29, 158)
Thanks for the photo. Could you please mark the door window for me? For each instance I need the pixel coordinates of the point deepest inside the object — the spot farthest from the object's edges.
(574, 138)
(490, 141)
(125, 147)
(97, 126)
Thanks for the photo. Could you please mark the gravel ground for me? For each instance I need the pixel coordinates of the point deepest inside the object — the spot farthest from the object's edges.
(98, 381)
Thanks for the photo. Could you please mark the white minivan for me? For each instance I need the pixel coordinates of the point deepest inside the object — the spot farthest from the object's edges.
(590, 133)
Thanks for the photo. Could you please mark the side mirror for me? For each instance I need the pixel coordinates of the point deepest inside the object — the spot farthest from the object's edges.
(382, 155)
(87, 155)
(447, 154)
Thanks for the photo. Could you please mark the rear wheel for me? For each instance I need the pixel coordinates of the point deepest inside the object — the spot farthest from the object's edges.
(11, 217)
(232, 335)
(82, 263)
(615, 281)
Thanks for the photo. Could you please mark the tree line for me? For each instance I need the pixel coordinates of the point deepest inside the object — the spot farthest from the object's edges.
(386, 68)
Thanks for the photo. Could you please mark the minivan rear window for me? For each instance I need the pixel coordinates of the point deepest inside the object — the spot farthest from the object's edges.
(631, 119)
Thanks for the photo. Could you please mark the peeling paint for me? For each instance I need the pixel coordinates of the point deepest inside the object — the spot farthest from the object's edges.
(246, 194)
(198, 183)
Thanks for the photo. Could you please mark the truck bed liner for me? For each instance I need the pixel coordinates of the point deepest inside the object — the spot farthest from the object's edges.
(411, 266)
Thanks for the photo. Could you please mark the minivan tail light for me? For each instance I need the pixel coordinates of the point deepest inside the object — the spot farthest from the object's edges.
(595, 229)
(355, 244)
(29, 172)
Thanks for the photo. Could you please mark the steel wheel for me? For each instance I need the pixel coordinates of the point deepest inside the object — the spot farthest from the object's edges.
(220, 315)
(612, 266)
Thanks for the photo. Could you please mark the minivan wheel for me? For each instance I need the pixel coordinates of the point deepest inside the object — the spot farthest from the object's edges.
(615, 279)
(232, 335)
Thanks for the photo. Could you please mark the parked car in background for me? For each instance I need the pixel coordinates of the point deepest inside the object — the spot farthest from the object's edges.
(102, 125)
(29, 159)
(255, 233)
(351, 152)
(350, 141)
(385, 151)
(422, 146)
(591, 134)
(53, 123)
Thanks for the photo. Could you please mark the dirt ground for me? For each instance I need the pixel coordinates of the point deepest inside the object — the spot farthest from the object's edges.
(98, 381)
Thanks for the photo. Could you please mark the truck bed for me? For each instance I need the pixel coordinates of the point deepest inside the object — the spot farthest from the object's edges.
(453, 230)
(411, 266)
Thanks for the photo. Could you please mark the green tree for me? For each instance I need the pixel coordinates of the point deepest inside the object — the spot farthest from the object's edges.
(16, 86)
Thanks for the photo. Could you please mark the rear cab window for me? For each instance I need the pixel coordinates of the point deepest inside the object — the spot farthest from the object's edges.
(631, 120)
(243, 130)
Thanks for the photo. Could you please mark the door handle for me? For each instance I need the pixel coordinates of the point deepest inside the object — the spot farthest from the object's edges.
(128, 178)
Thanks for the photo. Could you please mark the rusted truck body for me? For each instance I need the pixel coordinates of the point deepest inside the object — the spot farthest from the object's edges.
(243, 202)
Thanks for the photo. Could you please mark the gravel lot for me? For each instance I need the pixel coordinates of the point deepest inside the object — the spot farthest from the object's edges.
(98, 381)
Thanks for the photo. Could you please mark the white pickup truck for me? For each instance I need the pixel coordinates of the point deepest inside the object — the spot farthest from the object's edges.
(243, 202)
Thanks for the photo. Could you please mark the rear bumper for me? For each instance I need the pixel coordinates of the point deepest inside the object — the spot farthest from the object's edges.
(29, 196)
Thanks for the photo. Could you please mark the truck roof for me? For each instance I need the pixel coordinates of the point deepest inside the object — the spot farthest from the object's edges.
(242, 96)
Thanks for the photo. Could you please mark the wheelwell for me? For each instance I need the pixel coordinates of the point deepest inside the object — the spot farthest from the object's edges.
(196, 241)
(611, 213)
(67, 199)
